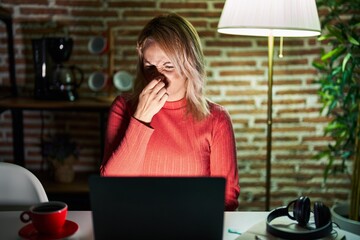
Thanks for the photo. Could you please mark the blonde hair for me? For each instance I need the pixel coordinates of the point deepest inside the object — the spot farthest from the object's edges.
(181, 43)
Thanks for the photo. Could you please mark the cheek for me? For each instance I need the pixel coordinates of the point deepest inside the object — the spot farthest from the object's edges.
(176, 82)
(175, 78)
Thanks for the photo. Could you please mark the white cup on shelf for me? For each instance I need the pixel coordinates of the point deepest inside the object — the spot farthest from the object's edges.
(97, 81)
(123, 81)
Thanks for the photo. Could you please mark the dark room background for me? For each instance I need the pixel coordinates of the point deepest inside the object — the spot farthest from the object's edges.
(237, 79)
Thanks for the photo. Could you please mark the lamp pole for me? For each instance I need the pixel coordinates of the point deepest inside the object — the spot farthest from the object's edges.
(270, 18)
(269, 120)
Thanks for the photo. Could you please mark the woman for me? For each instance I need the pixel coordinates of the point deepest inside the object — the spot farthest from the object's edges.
(167, 127)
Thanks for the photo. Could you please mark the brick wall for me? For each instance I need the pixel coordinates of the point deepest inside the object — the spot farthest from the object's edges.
(237, 79)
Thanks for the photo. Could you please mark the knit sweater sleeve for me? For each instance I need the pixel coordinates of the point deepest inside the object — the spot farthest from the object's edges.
(223, 157)
(124, 136)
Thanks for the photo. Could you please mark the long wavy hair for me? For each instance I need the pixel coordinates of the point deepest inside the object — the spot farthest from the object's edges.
(180, 41)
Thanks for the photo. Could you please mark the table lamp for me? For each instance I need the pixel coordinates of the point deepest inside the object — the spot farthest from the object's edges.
(270, 18)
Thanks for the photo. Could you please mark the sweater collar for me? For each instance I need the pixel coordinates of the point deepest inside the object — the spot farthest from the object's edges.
(175, 104)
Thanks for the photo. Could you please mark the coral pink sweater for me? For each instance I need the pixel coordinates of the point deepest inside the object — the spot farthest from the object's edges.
(174, 145)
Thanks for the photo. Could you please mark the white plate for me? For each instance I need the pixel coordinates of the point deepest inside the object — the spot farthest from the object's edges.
(97, 45)
(97, 81)
(123, 81)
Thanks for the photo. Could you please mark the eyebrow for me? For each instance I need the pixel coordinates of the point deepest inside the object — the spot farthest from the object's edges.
(147, 62)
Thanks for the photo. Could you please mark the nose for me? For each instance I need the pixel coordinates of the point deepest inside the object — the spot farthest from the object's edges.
(152, 72)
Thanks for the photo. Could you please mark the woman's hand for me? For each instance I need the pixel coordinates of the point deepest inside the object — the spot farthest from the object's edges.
(151, 100)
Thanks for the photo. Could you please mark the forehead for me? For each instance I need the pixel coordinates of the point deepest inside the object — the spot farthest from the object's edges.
(154, 54)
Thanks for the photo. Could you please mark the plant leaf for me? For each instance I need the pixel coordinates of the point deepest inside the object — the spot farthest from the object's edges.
(352, 40)
(319, 65)
(346, 59)
(324, 37)
(334, 52)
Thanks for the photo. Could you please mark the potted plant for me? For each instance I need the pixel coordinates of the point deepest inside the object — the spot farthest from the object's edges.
(340, 95)
(61, 153)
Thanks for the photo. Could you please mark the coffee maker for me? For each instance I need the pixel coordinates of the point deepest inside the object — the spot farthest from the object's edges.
(53, 79)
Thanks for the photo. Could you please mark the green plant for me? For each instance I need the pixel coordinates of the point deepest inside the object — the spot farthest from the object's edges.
(340, 90)
(59, 147)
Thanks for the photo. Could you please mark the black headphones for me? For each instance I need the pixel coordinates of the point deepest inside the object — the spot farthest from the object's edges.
(301, 213)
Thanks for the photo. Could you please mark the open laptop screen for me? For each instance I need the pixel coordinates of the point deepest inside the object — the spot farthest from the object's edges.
(157, 207)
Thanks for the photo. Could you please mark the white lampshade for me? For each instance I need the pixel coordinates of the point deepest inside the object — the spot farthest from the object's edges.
(278, 18)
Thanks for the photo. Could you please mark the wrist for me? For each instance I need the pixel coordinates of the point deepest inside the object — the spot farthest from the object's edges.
(147, 123)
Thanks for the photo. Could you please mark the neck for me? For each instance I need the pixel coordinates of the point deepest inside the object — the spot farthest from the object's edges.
(176, 96)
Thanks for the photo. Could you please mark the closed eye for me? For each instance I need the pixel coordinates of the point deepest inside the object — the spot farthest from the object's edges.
(169, 68)
(148, 67)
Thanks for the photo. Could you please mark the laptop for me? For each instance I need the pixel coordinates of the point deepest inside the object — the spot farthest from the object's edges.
(157, 207)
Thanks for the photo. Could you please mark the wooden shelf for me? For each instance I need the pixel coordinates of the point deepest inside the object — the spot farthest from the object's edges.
(79, 185)
(18, 104)
(28, 103)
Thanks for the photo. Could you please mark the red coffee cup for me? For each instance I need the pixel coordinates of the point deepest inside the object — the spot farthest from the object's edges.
(47, 217)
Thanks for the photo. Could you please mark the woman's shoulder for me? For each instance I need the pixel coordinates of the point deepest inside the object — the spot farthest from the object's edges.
(122, 99)
(219, 117)
(217, 110)
(121, 102)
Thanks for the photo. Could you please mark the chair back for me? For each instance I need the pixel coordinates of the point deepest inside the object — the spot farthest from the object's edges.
(19, 188)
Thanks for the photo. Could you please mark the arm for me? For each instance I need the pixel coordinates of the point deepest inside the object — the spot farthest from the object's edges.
(127, 136)
(223, 158)
(125, 142)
